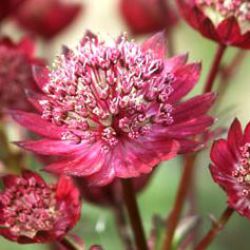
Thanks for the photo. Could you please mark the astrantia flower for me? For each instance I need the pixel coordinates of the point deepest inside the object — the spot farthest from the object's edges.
(114, 110)
(16, 62)
(31, 211)
(109, 195)
(227, 22)
(231, 167)
(147, 16)
(46, 18)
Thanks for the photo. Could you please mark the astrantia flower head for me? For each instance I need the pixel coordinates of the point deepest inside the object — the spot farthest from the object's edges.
(16, 62)
(46, 18)
(231, 167)
(227, 22)
(31, 211)
(114, 110)
(147, 16)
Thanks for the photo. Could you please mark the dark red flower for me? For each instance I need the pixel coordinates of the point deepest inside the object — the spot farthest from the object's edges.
(226, 22)
(111, 194)
(31, 211)
(16, 62)
(231, 167)
(7, 7)
(147, 16)
(114, 110)
(46, 18)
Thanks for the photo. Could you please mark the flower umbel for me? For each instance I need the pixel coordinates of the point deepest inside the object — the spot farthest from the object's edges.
(231, 167)
(33, 211)
(16, 62)
(227, 22)
(114, 110)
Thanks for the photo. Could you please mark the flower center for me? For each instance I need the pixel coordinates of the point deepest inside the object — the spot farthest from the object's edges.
(108, 92)
(219, 10)
(242, 174)
(28, 207)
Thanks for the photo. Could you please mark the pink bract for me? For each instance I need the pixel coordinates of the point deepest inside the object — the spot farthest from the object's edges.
(31, 211)
(115, 110)
(16, 60)
(147, 16)
(226, 22)
(231, 167)
(8, 7)
(46, 18)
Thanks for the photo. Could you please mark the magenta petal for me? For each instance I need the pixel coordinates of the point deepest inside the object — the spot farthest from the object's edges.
(156, 43)
(50, 147)
(222, 156)
(235, 137)
(247, 133)
(86, 162)
(175, 62)
(41, 76)
(187, 76)
(190, 127)
(194, 107)
(229, 31)
(35, 123)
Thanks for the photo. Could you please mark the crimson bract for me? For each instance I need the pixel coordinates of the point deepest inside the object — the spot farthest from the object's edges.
(114, 109)
(231, 167)
(226, 22)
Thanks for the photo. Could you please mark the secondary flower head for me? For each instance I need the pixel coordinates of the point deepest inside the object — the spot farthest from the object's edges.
(227, 22)
(31, 211)
(16, 73)
(231, 167)
(147, 16)
(114, 110)
(46, 18)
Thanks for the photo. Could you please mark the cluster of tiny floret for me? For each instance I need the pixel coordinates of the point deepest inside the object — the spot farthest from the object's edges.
(28, 207)
(238, 8)
(104, 92)
(242, 173)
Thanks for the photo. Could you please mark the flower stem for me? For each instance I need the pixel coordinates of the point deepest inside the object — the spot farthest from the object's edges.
(70, 244)
(215, 68)
(122, 226)
(173, 220)
(216, 228)
(134, 215)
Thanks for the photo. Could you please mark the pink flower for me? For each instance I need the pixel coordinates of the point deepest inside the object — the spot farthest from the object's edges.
(226, 22)
(111, 194)
(147, 16)
(46, 18)
(114, 110)
(16, 62)
(231, 167)
(31, 211)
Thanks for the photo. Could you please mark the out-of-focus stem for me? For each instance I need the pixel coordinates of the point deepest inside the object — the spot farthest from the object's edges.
(70, 244)
(227, 73)
(173, 220)
(134, 215)
(216, 228)
(214, 68)
(122, 226)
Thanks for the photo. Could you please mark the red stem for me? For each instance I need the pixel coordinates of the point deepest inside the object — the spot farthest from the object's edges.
(179, 201)
(216, 228)
(134, 215)
(215, 68)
